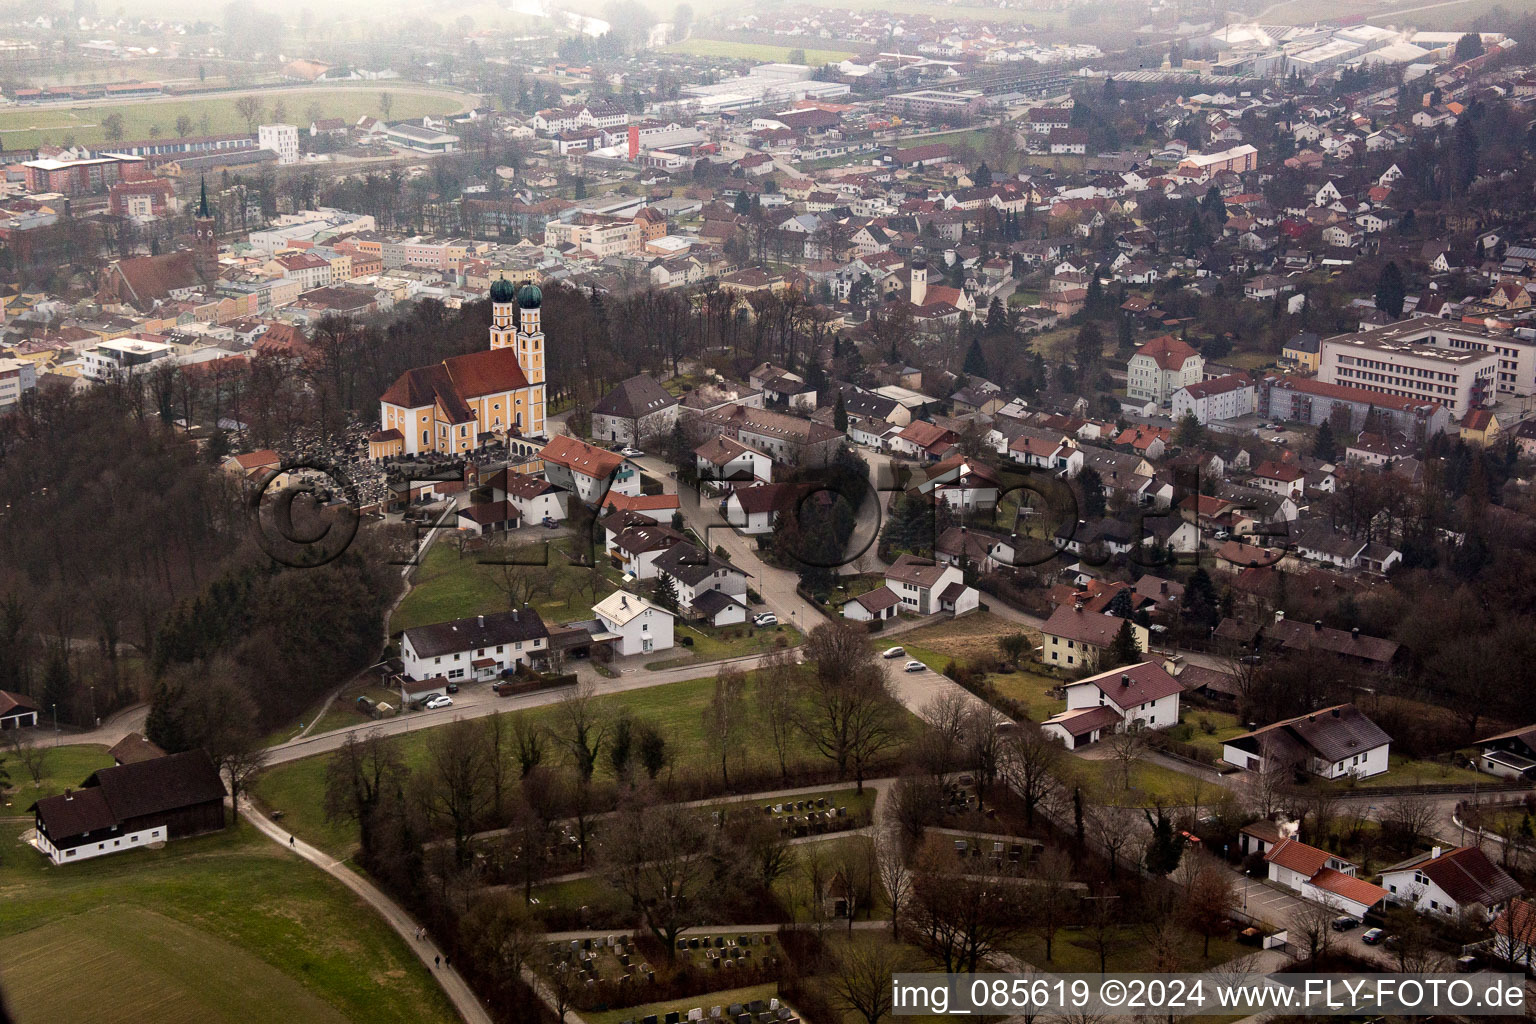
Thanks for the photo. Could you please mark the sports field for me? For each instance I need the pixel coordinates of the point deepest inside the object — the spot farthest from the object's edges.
(755, 51)
(28, 127)
(222, 928)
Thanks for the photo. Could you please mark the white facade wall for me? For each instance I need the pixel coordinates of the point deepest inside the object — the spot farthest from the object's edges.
(120, 843)
(456, 666)
(282, 139)
(1227, 405)
(649, 631)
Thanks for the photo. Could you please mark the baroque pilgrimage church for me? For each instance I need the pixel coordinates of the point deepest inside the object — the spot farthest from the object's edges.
(457, 405)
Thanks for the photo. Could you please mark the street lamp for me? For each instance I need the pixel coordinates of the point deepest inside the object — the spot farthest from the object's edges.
(55, 708)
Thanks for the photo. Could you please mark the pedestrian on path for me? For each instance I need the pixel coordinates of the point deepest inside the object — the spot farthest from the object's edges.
(290, 841)
(437, 962)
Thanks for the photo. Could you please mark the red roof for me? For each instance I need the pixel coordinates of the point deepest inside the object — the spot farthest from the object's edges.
(1132, 685)
(1298, 856)
(1167, 351)
(1322, 389)
(1357, 890)
(578, 456)
(643, 502)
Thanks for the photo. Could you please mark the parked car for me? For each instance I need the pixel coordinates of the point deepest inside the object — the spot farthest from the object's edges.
(505, 688)
(893, 652)
(1373, 937)
(914, 666)
(452, 687)
(442, 700)
(550, 524)
(631, 453)
(1345, 923)
(765, 619)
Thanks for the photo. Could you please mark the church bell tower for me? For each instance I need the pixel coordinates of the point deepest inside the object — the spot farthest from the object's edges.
(205, 240)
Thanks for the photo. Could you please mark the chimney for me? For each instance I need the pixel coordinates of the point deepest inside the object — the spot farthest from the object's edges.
(1317, 625)
(1162, 588)
(1125, 679)
(480, 620)
(1077, 604)
(1434, 854)
(1279, 617)
(1354, 634)
(623, 602)
(69, 794)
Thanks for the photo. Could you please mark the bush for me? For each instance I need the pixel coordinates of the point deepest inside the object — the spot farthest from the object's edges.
(753, 597)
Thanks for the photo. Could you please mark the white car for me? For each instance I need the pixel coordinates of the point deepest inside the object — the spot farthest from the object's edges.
(914, 666)
(893, 652)
(631, 453)
(765, 619)
(442, 700)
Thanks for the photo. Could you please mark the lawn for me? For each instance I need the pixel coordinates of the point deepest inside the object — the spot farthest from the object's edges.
(970, 638)
(1150, 783)
(1075, 952)
(1191, 730)
(717, 643)
(448, 585)
(755, 51)
(1030, 689)
(676, 709)
(27, 128)
(227, 927)
(63, 767)
(1405, 771)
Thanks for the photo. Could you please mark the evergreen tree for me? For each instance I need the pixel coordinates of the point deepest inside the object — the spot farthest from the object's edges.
(983, 176)
(1190, 433)
(1469, 46)
(840, 415)
(1199, 601)
(1123, 650)
(1093, 493)
(1120, 604)
(1089, 350)
(975, 360)
(1166, 847)
(666, 592)
(1324, 445)
(743, 204)
(1094, 301)
(997, 317)
(1390, 290)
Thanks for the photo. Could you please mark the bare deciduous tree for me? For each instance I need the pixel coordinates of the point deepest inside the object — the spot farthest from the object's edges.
(455, 787)
(581, 727)
(861, 977)
(1031, 759)
(725, 719)
(774, 703)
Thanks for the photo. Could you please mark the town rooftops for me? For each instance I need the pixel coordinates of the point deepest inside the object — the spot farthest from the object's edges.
(692, 565)
(1216, 386)
(719, 450)
(1298, 857)
(1084, 721)
(1132, 685)
(519, 624)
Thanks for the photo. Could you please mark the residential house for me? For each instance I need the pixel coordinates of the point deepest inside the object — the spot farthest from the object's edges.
(17, 711)
(877, 605)
(635, 541)
(641, 626)
(131, 806)
(1456, 883)
(694, 573)
(1321, 877)
(984, 552)
(1075, 638)
(473, 649)
(730, 464)
(1221, 398)
(1510, 755)
(928, 588)
(637, 411)
(1141, 696)
(925, 441)
(962, 483)
(588, 471)
(754, 510)
(1332, 743)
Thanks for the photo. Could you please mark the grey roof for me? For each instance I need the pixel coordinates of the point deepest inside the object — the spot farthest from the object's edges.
(637, 397)
(690, 564)
(479, 631)
(1332, 734)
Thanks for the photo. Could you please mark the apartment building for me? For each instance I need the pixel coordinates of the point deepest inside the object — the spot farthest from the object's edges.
(1516, 371)
(282, 139)
(596, 235)
(17, 376)
(1400, 364)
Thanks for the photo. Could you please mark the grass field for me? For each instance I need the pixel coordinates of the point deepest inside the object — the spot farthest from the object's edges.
(449, 586)
(27, 128)
(219, 928)
(717, 643)
(755, 51)
(1150, 783)
(676, 709)
(63, 767)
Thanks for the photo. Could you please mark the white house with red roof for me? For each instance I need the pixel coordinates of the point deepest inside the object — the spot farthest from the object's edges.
(1453, 883)
(592, 473)
(1160, 367)
(928, 588)
(1143, 696)
(1320, 876)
